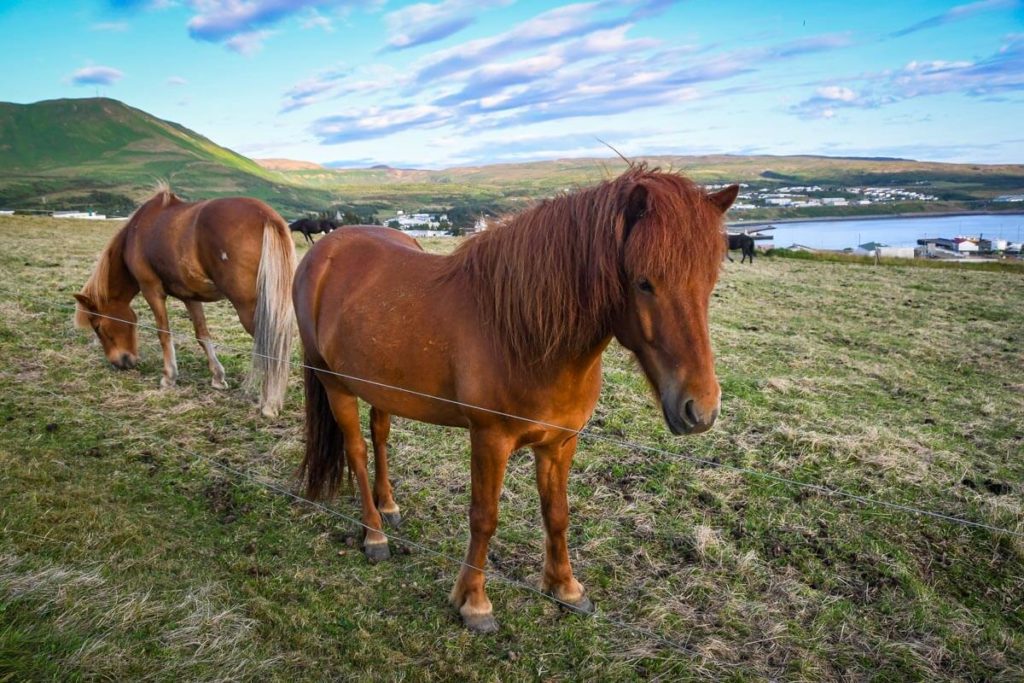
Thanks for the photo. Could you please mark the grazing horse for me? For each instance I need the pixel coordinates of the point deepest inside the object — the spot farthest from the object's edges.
(743, 242)
(513, 323)
(308, 227)
(235, 248)
(328, 225)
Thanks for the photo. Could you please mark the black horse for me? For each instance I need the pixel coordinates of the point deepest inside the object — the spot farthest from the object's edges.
(743, 242)
(308, 227)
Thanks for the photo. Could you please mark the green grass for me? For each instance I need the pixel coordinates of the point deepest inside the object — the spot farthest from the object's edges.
(125, 553)
(1009, 265)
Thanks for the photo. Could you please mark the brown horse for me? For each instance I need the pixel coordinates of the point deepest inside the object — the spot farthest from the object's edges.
(235, 248)
(514, 322)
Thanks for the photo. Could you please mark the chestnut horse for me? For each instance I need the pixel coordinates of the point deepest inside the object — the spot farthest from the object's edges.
(513, 323)
(235, 248)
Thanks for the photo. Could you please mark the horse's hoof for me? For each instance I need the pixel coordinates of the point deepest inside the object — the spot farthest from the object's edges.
(582, 606)
(376, 552)
(219, 383)
(268, 412)
(393, 519)
(166, 383)
(481, 623)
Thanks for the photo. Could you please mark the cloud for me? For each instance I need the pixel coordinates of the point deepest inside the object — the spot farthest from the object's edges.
(1001, 72)
(176, 80)
(958, 13)
(378, 122)
(241, 24)
(96, 75)
(359, 162)
(427, 22)
(316, 20)
(247, 44)
(545, 29)
(580, 61)
(109, 26)
(338, 82)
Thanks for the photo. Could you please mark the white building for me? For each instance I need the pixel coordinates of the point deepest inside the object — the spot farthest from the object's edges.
(966, 245)
(83, 215)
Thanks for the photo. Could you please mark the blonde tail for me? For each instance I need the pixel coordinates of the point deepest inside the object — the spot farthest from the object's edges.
(273, 320)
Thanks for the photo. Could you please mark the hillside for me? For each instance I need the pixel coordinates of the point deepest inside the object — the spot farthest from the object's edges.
(958, 187)
(102, 154)
(101, 151)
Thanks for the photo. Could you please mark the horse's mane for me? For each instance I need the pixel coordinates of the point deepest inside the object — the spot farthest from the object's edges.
(550, 279)
(97, 287)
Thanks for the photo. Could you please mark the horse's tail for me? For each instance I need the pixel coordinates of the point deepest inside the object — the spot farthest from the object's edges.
(324, 464)
(273, 320)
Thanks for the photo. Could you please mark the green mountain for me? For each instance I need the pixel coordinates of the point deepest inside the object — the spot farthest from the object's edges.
(102, 153)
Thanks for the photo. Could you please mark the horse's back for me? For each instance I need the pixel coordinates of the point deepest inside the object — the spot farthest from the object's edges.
(355, 260)
(207, 249)
(370, 303)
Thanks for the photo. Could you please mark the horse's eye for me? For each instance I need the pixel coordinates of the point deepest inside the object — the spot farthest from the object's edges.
(645, 286)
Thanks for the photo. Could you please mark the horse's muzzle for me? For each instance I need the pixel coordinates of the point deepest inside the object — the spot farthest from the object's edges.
(683, 416)
(126, 362)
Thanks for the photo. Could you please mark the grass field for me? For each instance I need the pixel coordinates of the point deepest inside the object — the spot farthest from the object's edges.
(127, 551)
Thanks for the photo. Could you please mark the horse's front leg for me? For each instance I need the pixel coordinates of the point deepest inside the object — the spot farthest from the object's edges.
(195, 311)
(552, 462)
(158, 303)
(487, 466)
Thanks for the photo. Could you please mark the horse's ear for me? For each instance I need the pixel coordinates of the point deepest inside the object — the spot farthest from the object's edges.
(636, 207)
(723, 199)
(85, 302)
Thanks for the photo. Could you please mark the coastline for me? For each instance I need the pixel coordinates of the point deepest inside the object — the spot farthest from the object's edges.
(873, 217)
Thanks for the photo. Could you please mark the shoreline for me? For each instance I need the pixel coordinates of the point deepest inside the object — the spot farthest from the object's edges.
(875, 217)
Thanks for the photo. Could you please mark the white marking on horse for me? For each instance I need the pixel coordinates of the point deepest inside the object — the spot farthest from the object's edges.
(223, 256)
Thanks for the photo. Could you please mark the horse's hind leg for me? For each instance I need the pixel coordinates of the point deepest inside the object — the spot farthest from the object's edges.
(380, 428)
(346, 413)
(158, 303)
(195, 311)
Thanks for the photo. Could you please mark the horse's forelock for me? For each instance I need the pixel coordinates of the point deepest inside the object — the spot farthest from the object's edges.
(679, 234)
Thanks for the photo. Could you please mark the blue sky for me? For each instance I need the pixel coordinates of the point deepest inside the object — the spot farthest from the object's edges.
(457, 82)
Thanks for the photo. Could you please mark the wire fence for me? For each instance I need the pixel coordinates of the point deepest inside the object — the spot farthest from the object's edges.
(676, 645)
(622, 443)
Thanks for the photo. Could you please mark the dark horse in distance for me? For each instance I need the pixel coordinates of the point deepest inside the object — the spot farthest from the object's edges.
(312, 226)
(743, 242)
(234, 248)
(513, 323)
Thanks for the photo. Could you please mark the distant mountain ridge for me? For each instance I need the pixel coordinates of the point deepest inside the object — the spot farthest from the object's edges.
(101, 153)
(287, 164)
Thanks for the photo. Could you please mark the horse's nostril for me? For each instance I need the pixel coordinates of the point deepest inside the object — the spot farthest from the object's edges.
(690, 413)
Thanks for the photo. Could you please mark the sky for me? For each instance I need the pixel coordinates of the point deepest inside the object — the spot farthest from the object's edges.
(443, 83)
